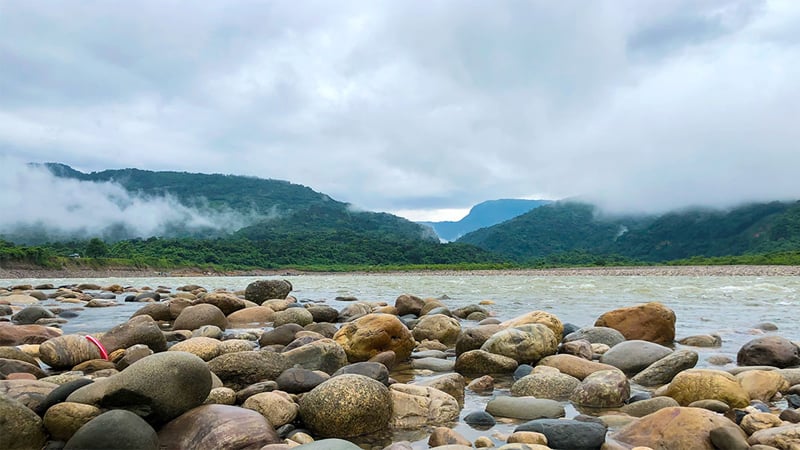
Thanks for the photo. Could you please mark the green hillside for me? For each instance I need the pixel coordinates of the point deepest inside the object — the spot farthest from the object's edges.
(575, 227)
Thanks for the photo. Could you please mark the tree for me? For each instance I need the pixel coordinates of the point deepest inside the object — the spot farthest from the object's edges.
(96, 248)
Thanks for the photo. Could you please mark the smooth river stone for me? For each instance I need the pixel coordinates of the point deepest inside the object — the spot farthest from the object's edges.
(67, 351)
(632, 357)
(526, 408)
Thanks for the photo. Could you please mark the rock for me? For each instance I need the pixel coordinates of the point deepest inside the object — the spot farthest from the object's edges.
(437, 327)
(194, 317)
(711, 405)
(117, 429)
(481, 384)
(241, 369)
(31, 393)
(211, 427)
(347, 406)
(790, 415)
(15, 366)
(480, 420)
(94, 365)
(409, 304)
(67, 351)
(445, 436)
(433, 364)
(552, 385)
(20, 299)
(20, 428)
(255, 388)
(280, 335)
(776, 351)
(480, 362)
(526, 408)
(253, 315)
(263, 290)
(665, 369)
(728, 438)
(632, 357)
(527, 437)
(452, 383)
(26, 334)
(300, 316)
(756, 421)
(682, 427)
(221, 396)
(574, 366)
(473, 338)
(147, 297)
(649, 406)
(159, 387)
(355, 311)
(580, 348)
(530, 345)
(702, 340)
(603, 389)
(30, 314)
(296, 380)
(323, 354)
(203, 347)
(277, 407)
(545, 318)
(62, 420)
(226, 302)
(416, 406)
(652, 322)
(596, 335)
(19, 355)
(137, 330)
(567, 434)
(374, 370)
(784, 437)
(327, 444)
(703, 384)
(372, 334)
(158, 311)
(762, 384)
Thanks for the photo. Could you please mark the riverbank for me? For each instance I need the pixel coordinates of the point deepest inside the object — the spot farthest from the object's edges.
(21, 271)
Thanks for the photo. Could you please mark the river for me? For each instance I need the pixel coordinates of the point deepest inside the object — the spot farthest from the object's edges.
(729, 306)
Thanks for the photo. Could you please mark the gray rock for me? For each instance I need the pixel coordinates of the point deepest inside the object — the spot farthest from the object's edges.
(296, 380)
(568, 434)
(725, 437)
(481, 362)
(374, 370)
(241, 369)
(603, 389)
(665, 369)
(633, 356)
(433, 364)
(300, 316)
(137, 330)
(20, 428)
(196, 316)
(473, 338)
(645, 407)
(281, 335)
(526, 408)
(597, 335)
(263, 290)
(322, 354)
(117, 429)
(552, 385)
(30, 314)
(524, 346)
(329, 444)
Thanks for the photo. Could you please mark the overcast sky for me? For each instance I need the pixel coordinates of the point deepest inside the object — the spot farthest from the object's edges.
(417, 106)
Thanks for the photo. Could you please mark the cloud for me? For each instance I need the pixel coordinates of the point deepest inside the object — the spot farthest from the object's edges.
(418, 106)
(43, 205)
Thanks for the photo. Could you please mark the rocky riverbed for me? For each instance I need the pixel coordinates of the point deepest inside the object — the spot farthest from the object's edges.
(257, 369)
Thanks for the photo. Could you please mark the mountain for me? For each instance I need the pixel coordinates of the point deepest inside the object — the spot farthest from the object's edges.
(483, 215)
(565, 227)
(265, 207)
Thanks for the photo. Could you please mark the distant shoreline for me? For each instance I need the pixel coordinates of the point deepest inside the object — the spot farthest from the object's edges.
(127, 272)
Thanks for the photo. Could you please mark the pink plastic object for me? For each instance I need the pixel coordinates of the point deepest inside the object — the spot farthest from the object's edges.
(97, 343)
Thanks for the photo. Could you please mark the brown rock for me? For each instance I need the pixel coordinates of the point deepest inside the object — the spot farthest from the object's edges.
(252, 315)
(212, 427)
(703, 384)
(369, 335)
(196, 316)
(785, 437)
(445, 436)
(544, 318)
(67, 351)
(409, 304)
(26, 334)
(681, 427)
(762, 384)
(652, 322)
(776, 351)
(137, 330)
(756, 421)
(63, 419)
(603, 389)
(204, 347)
(574, 366)
(226, 302)
(437, 327)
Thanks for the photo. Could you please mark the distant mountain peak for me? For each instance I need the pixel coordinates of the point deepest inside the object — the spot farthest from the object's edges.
(484, 214)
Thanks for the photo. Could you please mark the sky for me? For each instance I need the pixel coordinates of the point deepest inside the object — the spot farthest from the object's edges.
(420, 108)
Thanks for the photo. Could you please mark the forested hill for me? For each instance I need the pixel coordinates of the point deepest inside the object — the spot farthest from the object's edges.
(273, 207)
(565, 227)
(484, 214)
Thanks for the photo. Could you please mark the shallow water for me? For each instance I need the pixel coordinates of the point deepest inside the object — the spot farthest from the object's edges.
(729, 306)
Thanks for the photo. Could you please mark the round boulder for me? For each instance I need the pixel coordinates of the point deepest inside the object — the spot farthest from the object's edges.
(211, 427)
(524, 346)
(603, 389)
(196, 316)
(776, 351)
(62, 420)
(542, 317)
(596, 335)
(707, 384)
(263, 290)
(550, 384)
(633, 356)
(369, 335)
(437, 327)
(652, 322)
(277, 407)
(117, 429)
(300, 316)
(346, 406)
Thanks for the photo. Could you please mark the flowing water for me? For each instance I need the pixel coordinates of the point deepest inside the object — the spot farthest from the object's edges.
(728, 306)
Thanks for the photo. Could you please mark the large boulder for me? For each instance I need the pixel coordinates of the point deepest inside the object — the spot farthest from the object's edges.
(137, 330)
(409, 304)
(665, 369)
(323, 354)
(416, 406)
(633, 356)
(347, 406)
(437, 327)
(211, 427)
(30, 314)
(263, 290)
(20, 428)
(707, 384)
(26, 334)
(776, 351)
(527, 345)
(196, 316)
(369, 335)
(603, 389)
(542, 317)
(159, 387)
(240, 369)
(682, 428)
(652, 322)
(117, 429)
